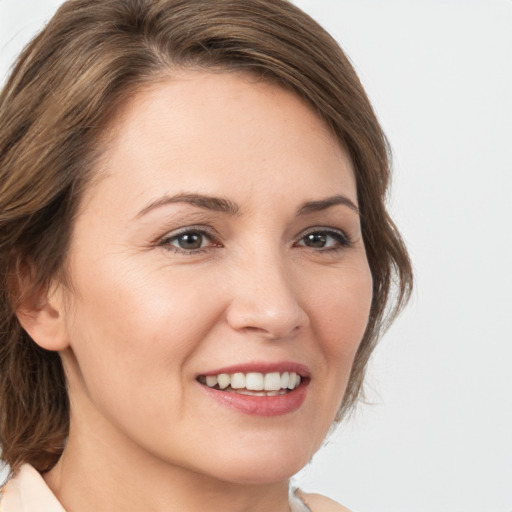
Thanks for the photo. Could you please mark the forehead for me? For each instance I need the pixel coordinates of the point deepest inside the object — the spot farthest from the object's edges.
(200, 130)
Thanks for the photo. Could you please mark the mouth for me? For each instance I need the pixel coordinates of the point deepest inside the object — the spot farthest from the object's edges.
(258, 389)
(253, 383)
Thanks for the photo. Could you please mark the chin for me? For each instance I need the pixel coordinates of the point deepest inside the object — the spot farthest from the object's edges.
(260, 473)
(259, 465)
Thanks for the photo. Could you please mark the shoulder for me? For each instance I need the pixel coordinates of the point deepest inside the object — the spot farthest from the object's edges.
(319, 503)
(27, 491)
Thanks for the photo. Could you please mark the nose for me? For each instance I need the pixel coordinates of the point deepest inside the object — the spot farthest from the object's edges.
(265, 302)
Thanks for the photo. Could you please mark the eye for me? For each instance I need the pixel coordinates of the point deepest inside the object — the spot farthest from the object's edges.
(188, 241)
(324, 239)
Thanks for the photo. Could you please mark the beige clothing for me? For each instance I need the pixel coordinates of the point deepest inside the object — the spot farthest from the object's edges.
(28, 492)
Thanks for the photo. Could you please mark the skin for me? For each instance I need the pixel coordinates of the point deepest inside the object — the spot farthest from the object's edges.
(142, 317)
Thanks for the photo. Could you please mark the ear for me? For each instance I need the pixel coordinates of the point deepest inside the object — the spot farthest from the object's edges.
(41, 313)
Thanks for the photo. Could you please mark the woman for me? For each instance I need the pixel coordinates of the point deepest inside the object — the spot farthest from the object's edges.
(196, 255)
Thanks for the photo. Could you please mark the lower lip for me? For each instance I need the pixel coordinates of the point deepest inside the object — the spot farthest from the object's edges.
(277, 405)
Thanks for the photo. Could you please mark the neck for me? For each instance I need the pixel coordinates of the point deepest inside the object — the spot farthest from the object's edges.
(102, 472)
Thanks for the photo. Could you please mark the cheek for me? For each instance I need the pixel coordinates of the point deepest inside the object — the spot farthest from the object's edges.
(341, 311)
(133, 302)
(339, 316)
(132, 329)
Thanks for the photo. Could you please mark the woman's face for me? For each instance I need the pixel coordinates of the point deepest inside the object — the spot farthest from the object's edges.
(222, 238)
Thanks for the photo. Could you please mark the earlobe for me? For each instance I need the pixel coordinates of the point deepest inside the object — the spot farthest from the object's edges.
(41, 314)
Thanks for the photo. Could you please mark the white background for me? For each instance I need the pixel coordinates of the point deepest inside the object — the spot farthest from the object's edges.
(438, 435)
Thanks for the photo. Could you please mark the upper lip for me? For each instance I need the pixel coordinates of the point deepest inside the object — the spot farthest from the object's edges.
(262, 367)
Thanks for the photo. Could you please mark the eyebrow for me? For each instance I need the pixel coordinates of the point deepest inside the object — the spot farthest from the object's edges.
(222, 205)
(324, 204)
(216, 204)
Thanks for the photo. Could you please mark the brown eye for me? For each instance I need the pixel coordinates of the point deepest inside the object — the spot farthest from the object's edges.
(189, 241)
(324, 240)
(315, 240)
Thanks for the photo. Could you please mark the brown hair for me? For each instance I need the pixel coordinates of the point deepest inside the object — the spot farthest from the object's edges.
(66, 85)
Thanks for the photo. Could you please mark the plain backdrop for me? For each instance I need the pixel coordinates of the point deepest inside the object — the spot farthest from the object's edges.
(437, 435)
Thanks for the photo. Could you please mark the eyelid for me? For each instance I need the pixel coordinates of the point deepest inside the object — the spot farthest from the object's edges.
(346, 240)
(340, 235)
(207, 231)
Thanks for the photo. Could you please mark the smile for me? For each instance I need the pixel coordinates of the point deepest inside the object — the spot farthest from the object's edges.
(258, 388)
(253, 383)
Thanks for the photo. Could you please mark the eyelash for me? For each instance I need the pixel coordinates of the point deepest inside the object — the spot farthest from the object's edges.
(342, 240)
(189, 230)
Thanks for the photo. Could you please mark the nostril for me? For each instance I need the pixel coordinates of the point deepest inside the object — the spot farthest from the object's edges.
(272, 333)
(276, 326)
(265, 303)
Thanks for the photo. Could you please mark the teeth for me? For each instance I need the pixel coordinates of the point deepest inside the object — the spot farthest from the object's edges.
(254, 383)
(261, 393)
(224, 380)
(211, 380)
(293, 381)
(272, 381)
(238, 381)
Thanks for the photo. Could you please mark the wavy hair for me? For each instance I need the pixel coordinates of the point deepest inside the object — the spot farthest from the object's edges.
(90, 59)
